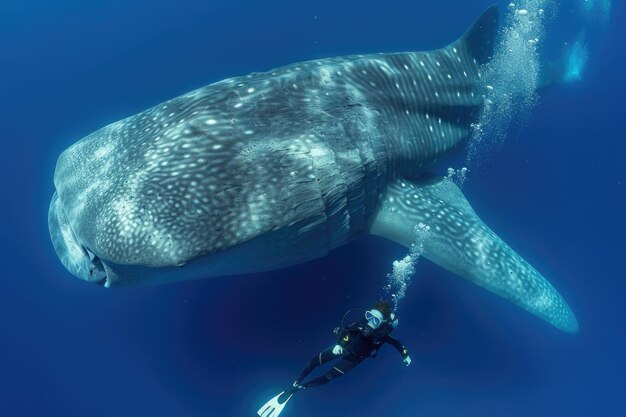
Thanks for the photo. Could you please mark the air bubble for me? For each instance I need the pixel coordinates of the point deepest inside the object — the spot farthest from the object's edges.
(510, 80)
(404, 269)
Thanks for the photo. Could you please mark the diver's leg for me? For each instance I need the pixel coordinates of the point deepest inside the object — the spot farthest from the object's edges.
(343, 367)
(323, 357)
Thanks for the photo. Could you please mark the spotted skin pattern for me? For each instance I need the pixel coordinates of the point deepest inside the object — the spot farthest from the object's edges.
(263, 171)
(460, 242)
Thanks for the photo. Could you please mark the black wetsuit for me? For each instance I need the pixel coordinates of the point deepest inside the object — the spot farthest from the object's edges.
(359, 341)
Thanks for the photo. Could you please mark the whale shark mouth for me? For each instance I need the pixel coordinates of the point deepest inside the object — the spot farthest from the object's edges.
(76, 258)
(96, 269)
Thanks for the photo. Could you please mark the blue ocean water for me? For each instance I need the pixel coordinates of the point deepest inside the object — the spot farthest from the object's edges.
(555, 192)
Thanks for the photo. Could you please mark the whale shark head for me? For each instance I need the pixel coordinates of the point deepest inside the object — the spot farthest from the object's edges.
(136, 203)
(76, 258)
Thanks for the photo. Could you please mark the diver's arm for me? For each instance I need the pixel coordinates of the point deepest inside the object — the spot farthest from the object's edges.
(400, 348)
(398, 345)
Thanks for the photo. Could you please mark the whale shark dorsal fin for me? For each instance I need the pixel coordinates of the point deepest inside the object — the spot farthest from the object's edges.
(460, 242)
(479, 39)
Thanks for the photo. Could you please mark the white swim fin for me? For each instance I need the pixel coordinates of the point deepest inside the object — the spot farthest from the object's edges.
(275, 406)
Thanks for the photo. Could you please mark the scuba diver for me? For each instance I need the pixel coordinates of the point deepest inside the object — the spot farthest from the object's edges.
(355, 343)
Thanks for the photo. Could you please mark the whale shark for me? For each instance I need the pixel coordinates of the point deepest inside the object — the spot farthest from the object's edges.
(276, 168)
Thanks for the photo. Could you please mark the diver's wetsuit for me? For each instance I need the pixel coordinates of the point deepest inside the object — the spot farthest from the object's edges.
(359, 341)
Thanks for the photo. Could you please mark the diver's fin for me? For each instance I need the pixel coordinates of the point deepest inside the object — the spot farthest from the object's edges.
(275, 406)
(479, 39)
(460, 242)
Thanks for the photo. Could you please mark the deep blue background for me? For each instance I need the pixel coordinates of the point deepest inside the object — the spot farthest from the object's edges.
(556, 193)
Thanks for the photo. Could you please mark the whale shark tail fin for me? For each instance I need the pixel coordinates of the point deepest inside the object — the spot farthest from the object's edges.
(461, 243)
(479, 39)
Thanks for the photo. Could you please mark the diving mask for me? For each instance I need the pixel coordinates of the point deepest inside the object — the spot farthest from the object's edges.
(374, 318)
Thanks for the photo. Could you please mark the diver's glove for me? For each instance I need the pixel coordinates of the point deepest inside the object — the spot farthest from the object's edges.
(337, 350)
(407, 360)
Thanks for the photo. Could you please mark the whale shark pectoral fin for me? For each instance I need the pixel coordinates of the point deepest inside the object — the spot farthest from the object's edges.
(460, 242)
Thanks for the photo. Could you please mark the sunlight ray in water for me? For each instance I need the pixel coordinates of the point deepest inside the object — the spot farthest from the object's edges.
(577, 58)
(600, 9)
